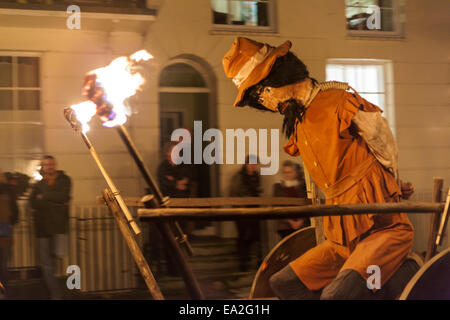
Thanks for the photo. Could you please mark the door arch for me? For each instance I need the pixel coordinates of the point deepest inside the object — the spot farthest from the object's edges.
(187, 92)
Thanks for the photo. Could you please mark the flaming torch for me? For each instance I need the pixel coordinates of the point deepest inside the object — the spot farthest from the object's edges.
(109, 102)
(108, 89)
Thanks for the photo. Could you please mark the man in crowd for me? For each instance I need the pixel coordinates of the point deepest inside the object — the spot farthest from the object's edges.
(50, 202)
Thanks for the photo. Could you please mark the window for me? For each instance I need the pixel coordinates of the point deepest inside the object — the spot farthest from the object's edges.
(370, 78)
(21, 129)
(379, 18)
(243, 15)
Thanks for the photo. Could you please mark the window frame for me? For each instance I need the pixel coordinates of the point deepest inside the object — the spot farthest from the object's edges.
(14, 81)
(17, 158)
(389, 106)
(224, 28)
(398, 16)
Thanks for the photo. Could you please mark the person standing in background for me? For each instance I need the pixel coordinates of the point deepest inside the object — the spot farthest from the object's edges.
(292, 185)
(247, 183)
(8, 217)
(50, 201)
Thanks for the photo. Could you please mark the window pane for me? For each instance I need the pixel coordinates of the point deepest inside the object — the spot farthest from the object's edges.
(29, 100)
(181, 75)
(28, 69)
(249, 13)
(376, 99)
(220, 11)
(357, 12)
(6, 100)
(5, 71)
(363, 78)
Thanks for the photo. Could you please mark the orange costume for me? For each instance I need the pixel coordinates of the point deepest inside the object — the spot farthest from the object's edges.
(340, 163)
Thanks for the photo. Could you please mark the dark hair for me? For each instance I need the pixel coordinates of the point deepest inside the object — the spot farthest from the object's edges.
(288, 69)
(47, 156)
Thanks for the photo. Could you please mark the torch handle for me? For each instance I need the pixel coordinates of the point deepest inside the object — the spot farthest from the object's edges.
(126, 138)
(444, 220)
(111, 184)
(123, 132)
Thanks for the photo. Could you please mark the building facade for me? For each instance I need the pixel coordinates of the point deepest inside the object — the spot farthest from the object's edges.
(185, 81)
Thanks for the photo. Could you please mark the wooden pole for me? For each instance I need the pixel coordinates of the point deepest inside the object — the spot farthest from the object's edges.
(170, 230)
(218, 214)
(70, 116)
(152, 186)
(133, 245)
(444, 220)
(219, 201)
(435, 218)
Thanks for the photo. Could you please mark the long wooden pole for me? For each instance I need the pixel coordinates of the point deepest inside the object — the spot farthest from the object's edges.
(444, 220)
(152, 185)
(133, 246)
(436, 197)
(218, 214)
(71, 118)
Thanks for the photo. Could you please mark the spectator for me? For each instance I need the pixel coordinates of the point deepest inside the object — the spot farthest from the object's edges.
(8, 217)
(246, 183)
(292, 185)
(176, 181)
(50, 201)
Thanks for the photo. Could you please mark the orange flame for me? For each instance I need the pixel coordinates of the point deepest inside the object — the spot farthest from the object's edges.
(118, 82)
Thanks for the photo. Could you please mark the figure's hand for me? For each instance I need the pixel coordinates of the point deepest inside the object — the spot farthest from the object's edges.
(407, 189)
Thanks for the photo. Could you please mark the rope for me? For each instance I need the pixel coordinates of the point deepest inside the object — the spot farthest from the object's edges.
(328, 85)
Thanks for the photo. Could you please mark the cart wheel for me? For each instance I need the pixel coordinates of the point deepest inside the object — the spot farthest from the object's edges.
(287, 250)
(432, 281)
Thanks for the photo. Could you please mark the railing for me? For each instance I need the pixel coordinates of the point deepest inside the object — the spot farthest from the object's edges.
(95, 244)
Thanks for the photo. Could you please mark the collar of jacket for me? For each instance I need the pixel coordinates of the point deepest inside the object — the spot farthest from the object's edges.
(323, 86)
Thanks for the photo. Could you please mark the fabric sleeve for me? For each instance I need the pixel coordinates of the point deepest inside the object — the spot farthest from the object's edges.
(35, 203)
(375, 131)
(351, 104)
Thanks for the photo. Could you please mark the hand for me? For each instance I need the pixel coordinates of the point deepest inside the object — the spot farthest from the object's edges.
(170, 178)
(407, 189)
(39, 196)
(182, 184)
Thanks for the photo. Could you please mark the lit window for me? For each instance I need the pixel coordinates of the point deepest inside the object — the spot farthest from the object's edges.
(377, 18)
(21, 129)
(368, 77)
(243, 15)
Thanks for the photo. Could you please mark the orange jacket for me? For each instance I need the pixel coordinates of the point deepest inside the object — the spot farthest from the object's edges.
(341, 164)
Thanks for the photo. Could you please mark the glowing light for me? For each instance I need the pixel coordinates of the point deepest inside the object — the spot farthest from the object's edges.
(141, 55)
(119, 82)
(36, 175)
(84, 112)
